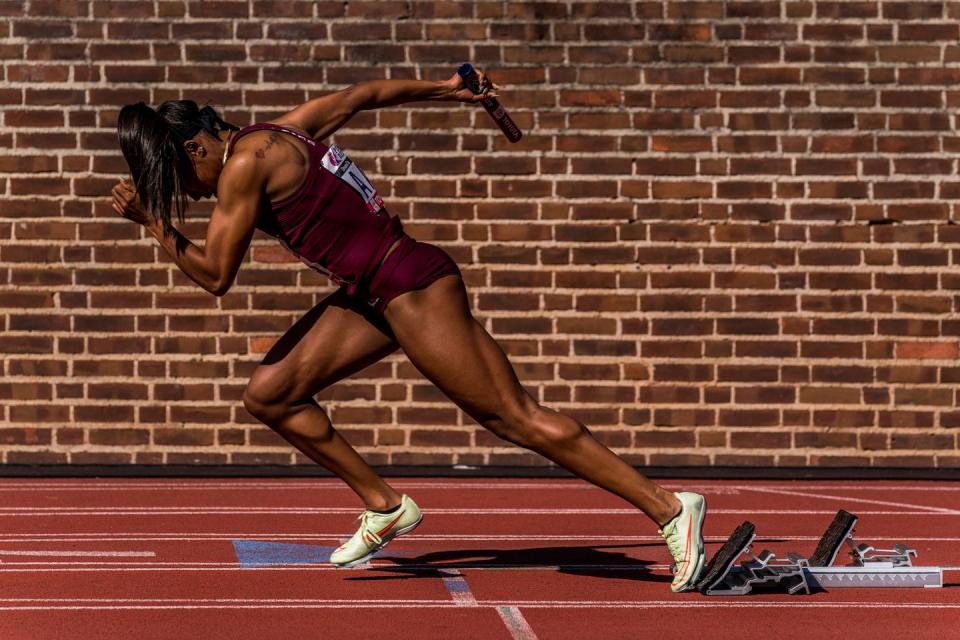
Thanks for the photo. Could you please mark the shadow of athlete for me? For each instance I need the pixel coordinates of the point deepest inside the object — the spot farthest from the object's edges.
(395, 292)
(598, 561)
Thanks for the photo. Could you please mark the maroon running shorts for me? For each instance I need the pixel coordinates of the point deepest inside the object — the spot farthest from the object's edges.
(410, 266)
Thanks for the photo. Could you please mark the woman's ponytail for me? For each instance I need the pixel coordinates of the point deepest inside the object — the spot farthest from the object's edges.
(154, 156)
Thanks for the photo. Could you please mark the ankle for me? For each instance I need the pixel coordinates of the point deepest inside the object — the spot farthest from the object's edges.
(385, 512)
(382, 502)
(671, 510)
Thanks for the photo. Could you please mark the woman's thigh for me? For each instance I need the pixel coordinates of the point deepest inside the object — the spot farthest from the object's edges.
(435, 328)
(330, 342)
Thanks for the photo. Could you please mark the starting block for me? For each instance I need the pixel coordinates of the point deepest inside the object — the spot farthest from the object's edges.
(870, 567)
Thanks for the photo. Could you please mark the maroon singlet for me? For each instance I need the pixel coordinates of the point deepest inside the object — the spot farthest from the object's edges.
(335, 222)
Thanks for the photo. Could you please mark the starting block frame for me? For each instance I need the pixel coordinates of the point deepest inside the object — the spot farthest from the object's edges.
(871, 567)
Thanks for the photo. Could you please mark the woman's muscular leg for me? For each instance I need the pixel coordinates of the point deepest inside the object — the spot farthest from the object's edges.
(330, 342)
(435, 328)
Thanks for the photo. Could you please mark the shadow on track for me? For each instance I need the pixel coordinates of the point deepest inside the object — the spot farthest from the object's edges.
(595, 561)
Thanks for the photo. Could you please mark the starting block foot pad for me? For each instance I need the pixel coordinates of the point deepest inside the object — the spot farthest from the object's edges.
(721, 562)
(832, 539)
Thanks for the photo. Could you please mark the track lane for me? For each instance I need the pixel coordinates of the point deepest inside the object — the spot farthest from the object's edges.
(603, 570)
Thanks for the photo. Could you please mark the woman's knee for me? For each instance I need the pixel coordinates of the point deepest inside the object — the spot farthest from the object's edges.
(262, 401)
(268, 398)
(301, 418)
(531, 426)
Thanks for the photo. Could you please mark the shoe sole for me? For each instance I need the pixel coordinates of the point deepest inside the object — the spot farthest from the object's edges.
(691, 583)
(376, 550)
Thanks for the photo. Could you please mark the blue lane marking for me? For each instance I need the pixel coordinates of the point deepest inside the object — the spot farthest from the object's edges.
(456, 585)
(255, 553)
(458, 588)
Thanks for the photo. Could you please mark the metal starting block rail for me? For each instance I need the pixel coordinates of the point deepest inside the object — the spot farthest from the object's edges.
(870, 567)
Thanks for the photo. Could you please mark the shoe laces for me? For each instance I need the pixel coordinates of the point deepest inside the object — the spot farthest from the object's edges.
(672, 537)
(366, 529)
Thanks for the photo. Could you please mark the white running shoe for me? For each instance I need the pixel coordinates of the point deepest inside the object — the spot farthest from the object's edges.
(375, 532)
(684, 536)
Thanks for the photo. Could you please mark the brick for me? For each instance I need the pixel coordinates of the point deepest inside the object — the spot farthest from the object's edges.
(119, 437)
(927, 350)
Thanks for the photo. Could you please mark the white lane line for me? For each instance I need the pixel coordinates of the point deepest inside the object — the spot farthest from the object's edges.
(952, 485)
(516, 624)
(78, 554)
(380, 566)
(556, 485)
(448, 604)
(244, 570)
(324, 537)
(886, 503)
(234, 567)
(447, 569)
(11, 512)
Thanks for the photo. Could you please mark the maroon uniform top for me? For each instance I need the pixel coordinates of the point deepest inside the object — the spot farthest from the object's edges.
(335, 222)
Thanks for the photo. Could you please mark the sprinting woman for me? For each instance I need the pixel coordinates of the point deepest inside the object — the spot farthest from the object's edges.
(394, 293)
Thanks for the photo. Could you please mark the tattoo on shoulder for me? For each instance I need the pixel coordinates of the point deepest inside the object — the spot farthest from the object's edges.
(272, 140)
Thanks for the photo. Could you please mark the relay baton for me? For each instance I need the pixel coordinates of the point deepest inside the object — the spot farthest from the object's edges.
(492, 105)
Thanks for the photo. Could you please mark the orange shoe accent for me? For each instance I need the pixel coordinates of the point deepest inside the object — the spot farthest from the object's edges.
(387, 528)
(686, 555)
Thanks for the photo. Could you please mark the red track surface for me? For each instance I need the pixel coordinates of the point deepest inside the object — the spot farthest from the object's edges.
(145, 559)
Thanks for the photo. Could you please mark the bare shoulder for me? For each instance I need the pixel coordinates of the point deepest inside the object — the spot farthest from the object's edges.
(289, 121)
(243, 163)
(260, 143)
(272, 148)
(244, 172)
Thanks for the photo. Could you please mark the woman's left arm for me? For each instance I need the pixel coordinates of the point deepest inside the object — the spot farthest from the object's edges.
(322, 116)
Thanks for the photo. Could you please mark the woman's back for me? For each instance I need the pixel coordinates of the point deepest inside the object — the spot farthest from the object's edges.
(334, 220)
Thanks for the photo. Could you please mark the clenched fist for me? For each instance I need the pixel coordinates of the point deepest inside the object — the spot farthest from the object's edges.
(126, 202)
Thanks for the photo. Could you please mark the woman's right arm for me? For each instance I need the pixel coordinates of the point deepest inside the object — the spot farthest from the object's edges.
(322, 116)
(214, 265)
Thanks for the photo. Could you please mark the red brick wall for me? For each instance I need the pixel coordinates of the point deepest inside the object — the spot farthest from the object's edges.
(727, 238)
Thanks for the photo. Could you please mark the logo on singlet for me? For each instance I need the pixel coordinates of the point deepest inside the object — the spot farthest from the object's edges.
(336, 156)
(336, 162)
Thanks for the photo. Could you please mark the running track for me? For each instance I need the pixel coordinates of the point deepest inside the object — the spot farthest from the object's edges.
(520, 559)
